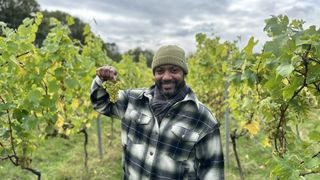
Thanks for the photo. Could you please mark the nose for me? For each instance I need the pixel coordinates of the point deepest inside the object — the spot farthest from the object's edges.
(167, 75)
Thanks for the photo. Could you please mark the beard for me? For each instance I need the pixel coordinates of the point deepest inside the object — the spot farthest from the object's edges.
(169, 88)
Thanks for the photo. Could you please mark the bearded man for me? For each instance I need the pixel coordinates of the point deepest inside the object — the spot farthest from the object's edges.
(167, 133)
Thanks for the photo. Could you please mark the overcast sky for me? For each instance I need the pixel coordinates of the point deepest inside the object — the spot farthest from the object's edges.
(151, 23)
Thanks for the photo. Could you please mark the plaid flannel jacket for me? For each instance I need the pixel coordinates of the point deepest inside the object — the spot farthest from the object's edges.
(186, 145)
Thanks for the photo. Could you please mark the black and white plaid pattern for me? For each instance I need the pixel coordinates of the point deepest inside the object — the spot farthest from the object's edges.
(186, 145)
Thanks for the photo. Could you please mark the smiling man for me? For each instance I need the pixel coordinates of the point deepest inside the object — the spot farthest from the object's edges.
(167, 133)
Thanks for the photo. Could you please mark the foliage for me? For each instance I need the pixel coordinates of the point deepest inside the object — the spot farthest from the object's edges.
(283, 82)
(13, 12)
(44, 90)
(208, 70)
(133, 74)
(273, 95)
(76, 26)
(60, 158)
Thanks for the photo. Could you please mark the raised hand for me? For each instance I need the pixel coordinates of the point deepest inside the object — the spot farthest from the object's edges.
(106, 73)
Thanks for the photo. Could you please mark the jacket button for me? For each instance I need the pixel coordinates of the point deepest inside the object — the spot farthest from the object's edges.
(151, 153)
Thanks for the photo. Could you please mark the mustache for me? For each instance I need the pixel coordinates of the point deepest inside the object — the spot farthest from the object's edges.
(167, 82)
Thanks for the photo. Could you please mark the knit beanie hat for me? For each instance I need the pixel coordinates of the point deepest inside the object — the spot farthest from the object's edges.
(170, 54)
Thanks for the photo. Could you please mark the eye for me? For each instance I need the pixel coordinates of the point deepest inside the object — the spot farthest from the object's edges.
(159, 71)
(174, 70)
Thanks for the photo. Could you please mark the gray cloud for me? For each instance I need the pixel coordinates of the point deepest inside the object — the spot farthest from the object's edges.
(150, 23)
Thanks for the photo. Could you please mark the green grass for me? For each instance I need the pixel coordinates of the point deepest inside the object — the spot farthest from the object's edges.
(63, 159)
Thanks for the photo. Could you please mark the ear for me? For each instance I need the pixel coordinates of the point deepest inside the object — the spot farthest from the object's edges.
(184, 76)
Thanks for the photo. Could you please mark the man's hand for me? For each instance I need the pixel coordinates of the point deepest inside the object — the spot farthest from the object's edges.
(106, 73)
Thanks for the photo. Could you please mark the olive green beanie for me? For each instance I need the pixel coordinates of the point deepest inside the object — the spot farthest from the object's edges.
(170, 54)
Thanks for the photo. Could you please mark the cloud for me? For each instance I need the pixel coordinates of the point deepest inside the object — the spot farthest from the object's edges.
(150, 23)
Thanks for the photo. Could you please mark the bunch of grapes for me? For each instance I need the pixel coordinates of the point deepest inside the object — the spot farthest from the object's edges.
(112, 87)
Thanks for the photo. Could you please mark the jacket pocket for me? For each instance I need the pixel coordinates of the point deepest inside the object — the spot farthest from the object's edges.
(185, 134)
(140, 118)
(184, 141)
(140, 127)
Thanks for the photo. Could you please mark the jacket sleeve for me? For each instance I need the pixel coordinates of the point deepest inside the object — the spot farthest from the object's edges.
(209, 156)
(101, 102)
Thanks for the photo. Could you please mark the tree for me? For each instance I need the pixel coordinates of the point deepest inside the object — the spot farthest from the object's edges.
(76, 29)
(135, 53)
(149, 56)
(13, 12)
(112, 51)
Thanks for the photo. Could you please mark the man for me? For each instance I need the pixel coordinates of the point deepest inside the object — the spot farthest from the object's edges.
(166, 132)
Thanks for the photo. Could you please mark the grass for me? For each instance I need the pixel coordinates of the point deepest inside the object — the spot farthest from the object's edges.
(63, 159)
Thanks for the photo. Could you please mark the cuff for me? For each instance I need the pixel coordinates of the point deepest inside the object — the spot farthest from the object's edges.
(98, 81)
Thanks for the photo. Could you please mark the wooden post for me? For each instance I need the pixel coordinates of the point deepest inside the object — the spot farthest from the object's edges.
(99, 136)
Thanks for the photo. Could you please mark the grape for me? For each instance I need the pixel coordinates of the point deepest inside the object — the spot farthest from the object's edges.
(112, 87)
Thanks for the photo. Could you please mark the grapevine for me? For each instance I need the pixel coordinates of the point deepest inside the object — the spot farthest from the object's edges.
(113, 88)
(273, 95)
(47, 86)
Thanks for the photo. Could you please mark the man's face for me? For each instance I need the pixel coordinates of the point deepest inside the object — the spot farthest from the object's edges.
(169, 79)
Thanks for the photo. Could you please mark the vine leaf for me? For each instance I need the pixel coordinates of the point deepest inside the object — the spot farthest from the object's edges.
(285, 69)
(253, 127)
